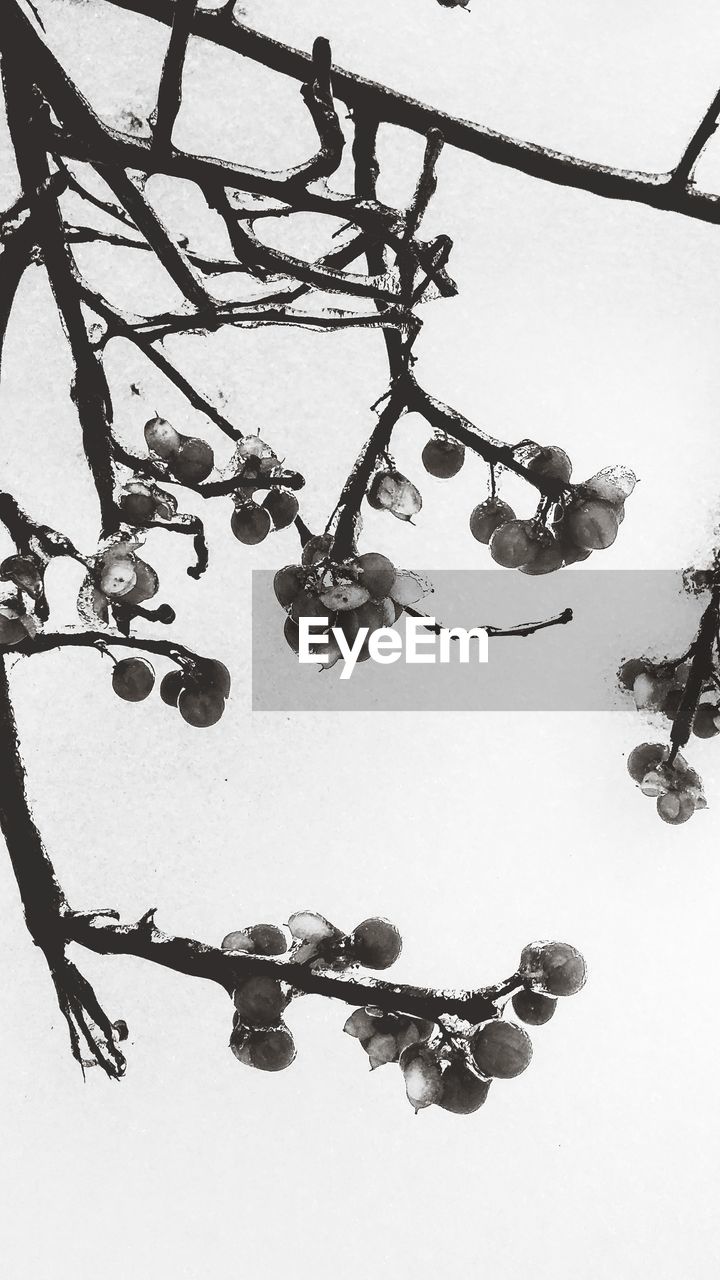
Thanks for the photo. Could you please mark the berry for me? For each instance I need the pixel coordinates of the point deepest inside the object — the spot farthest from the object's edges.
(211, 676)
(513, 544)
(592, 524)
(630, 670)
(361, 1025)
(268, 1050)
(462, 1091)
(146, 584)
(650, 691)
(704, 725)
(288, 583)
(612, 484)
(12, 627)
(238, 940)
(443, 458)
(250, 523)
(316, 548)
(307, 605)
(675, 807)
(551, 463)
(137, 504)
(671, 703)
(117, 574)
(376, 943)
(259, 1000)
(407, 588)
(267, 939)
(24, 571)
(170, 687)
(382, 1048)
(291, 631)
(555, 968)
(533, 1007)
(501, 1050)
(393, 492)
(644, 758)
(489, 516)
(423, 1081)
(200, 707)
(309, 926)
(376, 573)
(253, 447)
(548, 557)
(344, 595)
(133, 679)
(193, 461)
(161, 438)
(282, 507)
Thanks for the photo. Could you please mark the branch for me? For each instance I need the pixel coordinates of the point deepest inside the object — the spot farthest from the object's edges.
(196, 959)
(521, 629)
(170, 91)
(683, 172)
(147, 221)
(657, 190)
(46, 641)
(90, 390)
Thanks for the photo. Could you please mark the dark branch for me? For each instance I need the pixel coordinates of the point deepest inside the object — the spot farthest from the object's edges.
(658, 190)
(170, 91)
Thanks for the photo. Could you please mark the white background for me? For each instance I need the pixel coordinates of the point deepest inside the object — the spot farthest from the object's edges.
(583, 322)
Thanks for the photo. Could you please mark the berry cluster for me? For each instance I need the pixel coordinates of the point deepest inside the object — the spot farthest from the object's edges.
(582, 519)
(450, 1063)
(25, 572)
(190, 460)
(260, 1037)
(199, 688)
(365, 591)
(444, 1060)
(667, 779)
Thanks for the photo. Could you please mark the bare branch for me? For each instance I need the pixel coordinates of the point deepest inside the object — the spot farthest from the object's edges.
(521, 629)
(170, 91)
(683, 172)
(658, 190)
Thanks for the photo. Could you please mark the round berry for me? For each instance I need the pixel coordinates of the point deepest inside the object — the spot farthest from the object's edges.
(288, 583)
(591, 524)
(282, 507)
(501, 1050)
(133, 679)
(513, 544)
(200, 707)
(250, 523)
(259, 1000)
(170, 687)
(551, 463)
(462, 1091)
(704, 725)
(376, 573)
(489, 516)
(193, 461)
(555, 968)
(161, 438)
(533, 1007)
(376, 943)
(443, 458)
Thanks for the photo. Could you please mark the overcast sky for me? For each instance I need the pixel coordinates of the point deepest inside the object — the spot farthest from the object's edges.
(579, 321)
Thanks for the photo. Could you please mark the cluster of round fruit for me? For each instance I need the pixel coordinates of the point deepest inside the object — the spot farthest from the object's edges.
(658, 687)
(190, 460)
(675, 787)
(142, 502)
(364, 591)
(585, 517)
(259, 1037)
(454, 1070)
(252, 521)
(199, 689)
